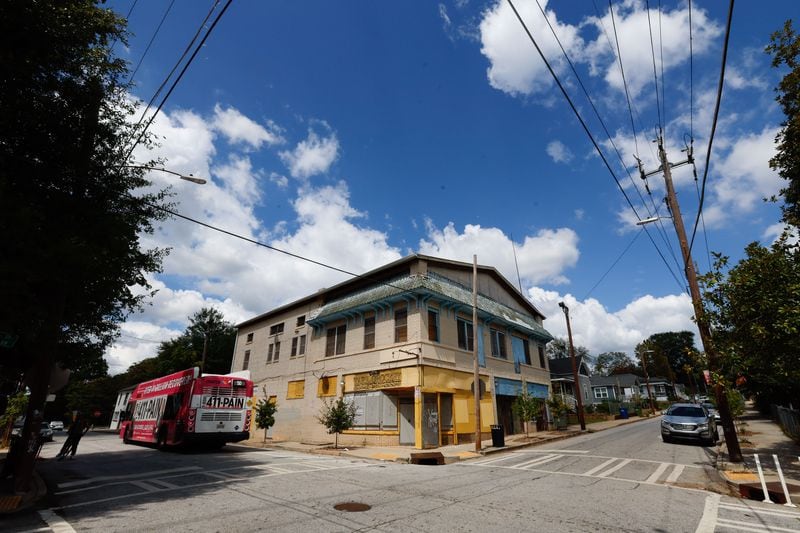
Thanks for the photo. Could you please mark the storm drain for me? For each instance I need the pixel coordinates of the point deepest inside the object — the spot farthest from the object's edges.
(352, 507)
(427, 458)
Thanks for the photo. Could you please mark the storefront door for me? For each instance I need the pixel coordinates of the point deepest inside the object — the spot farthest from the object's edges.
(430, 421)
(407, 421)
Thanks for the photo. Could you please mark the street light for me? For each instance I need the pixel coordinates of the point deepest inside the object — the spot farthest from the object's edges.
(644, 221)
(199, 181)
(581, 419)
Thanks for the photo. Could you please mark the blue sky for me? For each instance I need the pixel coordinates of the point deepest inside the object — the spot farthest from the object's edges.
(357, 133)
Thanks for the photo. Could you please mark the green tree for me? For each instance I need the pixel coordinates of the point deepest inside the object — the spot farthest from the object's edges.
(610, 363)
(672, 350)
(208, 330)
(71, 213)
(558, 348)
(785, 50)
(337, 416)
(17, 405)
(754, 311)
(265, 415)
(527, 407)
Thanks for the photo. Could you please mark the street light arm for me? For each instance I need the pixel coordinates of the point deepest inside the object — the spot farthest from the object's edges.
(199, 181)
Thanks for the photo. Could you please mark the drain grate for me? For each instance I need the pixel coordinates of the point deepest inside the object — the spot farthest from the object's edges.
(352, 507)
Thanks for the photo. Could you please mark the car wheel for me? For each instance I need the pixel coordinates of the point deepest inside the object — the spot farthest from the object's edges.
(666, 439)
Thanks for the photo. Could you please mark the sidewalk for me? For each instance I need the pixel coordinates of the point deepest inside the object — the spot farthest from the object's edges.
(450, 454)
(765, 438)
(12, 502)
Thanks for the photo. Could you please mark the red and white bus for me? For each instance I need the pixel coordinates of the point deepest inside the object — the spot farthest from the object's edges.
(186, 407)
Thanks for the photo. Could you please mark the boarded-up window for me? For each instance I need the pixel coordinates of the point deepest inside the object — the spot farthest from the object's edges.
(374, 410)
(326, 386)
(296, 389)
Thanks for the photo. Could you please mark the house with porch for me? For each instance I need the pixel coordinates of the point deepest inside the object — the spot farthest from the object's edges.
(399, 343)
(562, 380)
(661, 389)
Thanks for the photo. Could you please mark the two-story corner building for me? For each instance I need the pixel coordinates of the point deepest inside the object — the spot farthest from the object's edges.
(398, 342)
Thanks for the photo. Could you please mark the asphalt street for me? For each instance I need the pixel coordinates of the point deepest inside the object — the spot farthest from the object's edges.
(624, 479)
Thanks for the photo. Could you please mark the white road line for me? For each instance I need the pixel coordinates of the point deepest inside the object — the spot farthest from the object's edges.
(609, 457)
(749, 526)
(221, 475)
(657, 474)
(770, 512)
(55, 522)
(676, 473)
(152, 473)
(164, 484)
(708, 522)
(490, 461)
(540, 461)
(534, 461)
(614, 468)
(146, 486)
(220, 480)
(601, 466)
(547, 450)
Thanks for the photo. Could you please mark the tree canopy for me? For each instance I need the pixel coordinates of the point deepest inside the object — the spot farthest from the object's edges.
(611, 363)
(71, 213)
(785, 50)
(558, 348)
(754, 310)
(671, 352)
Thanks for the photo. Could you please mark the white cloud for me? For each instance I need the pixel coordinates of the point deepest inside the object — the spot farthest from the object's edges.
(312, 156)
(559, 152)
(542, 257)
(601, 330)
(774, 232)
(633, 33)
(515, 66)
(742, 179)
(237, 128)
(280, 180)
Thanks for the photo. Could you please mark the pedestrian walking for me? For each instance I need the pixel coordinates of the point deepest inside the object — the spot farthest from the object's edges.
(77, 430)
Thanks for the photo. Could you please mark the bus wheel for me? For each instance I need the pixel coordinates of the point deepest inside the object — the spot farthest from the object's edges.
(161, 440)
(127, 437)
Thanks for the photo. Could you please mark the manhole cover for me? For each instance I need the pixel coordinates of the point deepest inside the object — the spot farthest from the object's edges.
(352, 507)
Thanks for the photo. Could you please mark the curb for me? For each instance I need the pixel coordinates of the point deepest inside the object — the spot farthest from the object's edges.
(17, 503)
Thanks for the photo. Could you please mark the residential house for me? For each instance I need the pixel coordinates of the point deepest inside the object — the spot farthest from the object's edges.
(661, 388)
(617, 388)
(398, 342)
(562, 379)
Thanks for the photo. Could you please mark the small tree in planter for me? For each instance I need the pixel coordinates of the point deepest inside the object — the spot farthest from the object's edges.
(559, 409)
(337, 416)
(527, 408)
(265, 415)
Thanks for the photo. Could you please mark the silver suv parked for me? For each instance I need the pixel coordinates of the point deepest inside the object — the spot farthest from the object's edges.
(688, 421)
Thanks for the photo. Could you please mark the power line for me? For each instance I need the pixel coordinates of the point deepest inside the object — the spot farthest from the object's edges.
(660, 227)
(714, 123)
(588, 133)
(624, 81)
(180, 75)
(149, 44)
(617, 260)
(661, 54)
(655, 74)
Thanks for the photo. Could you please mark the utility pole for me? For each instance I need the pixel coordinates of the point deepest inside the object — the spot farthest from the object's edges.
(581, 418)
(476, 378)
(647, 380)
(731, 440)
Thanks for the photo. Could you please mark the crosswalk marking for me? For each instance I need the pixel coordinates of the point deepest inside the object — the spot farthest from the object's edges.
(676, 473)
(146, 486)
(657, 474)
(614, 468)
(748, 509)
(599, 467)
(750, 526)
(539, 461)
(151, 473)
(164, 484)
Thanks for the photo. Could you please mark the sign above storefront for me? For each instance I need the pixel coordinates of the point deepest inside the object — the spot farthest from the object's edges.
(378, 380)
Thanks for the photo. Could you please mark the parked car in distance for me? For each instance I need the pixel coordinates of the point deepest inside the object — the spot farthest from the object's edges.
(57, 425)
(688, 421)
(711, 408)
(45, 432)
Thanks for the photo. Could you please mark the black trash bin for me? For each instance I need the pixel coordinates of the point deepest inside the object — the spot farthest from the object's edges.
(498, 440)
